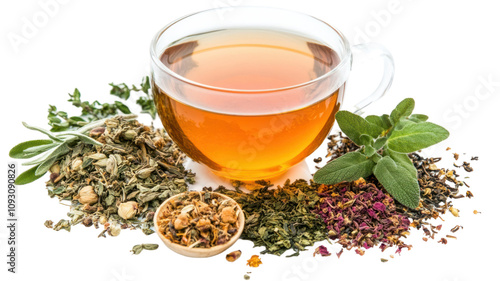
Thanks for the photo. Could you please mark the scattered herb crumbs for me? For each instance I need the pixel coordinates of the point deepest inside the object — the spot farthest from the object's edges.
(254, 261)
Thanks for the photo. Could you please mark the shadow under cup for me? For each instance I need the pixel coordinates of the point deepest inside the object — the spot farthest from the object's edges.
(249, 92)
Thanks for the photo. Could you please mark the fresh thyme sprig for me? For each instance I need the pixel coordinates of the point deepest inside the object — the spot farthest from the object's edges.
(385, 143)
(91, 111)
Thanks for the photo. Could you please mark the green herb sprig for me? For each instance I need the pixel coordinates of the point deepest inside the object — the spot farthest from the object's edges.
(51, 149)
(385, 142)
(92, 111)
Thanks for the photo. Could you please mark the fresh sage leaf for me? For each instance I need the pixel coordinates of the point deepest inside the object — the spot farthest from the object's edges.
(417, 118)
(369, 151)
(82, 137)
(381, 121)
(43, 131)
(402, 160)
(348, 167)
(354, 126)
(376, 157)
(403, 109)
(398, 182)
(365, 139)
(416, 136)
(379, 143)
(19, 151)
(27, 176)
(402, 123)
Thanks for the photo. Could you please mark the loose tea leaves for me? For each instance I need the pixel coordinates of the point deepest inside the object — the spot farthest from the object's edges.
(199, 219)
(120, 183)
(57, 146)
(280, 219)
(384, 142)
(438, 188)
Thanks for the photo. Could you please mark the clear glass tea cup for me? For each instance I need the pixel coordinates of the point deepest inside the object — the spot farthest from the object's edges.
(250, 92)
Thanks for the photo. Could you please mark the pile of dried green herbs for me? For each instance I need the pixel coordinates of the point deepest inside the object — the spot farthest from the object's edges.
(112, 169)
(280, 219)
(123, 181)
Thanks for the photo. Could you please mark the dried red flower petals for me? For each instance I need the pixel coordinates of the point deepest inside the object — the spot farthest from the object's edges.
(361, 215)
(321, 250)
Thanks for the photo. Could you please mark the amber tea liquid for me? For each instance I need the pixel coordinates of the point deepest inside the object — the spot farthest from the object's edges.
(245, 140)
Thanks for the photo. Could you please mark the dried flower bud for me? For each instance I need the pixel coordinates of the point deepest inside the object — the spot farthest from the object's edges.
(233, 256)
(87, 195)
(181, 222)
(128, 210)
(114, 229)
(159, 142)
(97, 132)
(87, 221)
(103, 220)
(129, 134)
(55, 168)
(228, 215)
(454, 211)
(76, 164)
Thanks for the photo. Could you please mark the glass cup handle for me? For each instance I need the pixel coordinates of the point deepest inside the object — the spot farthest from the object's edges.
(370, 51)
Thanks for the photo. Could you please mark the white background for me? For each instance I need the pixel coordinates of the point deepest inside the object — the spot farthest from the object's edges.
(443, 51)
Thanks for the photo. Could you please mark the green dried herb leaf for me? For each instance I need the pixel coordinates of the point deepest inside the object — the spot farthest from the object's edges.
(19, 151)
(348, 167)
(398, 181)
(416, 136)
(137, 249)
